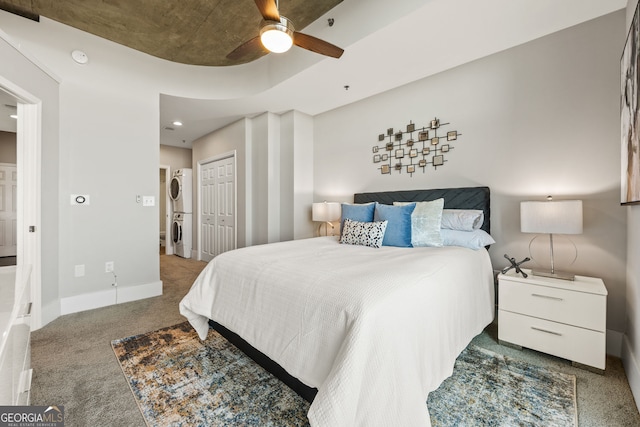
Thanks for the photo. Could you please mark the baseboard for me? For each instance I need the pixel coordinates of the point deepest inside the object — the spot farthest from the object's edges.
(631, 368)
(108, 297)
(134, 293)
(85, 302)
(614, 343)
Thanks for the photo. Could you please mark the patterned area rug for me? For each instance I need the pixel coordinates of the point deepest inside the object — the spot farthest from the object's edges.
(490, 389)
(178, 380)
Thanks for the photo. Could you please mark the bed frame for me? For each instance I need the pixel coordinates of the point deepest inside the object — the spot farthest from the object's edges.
(454, 198)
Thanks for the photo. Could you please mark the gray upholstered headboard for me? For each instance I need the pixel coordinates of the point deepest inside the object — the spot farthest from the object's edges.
(454, 198)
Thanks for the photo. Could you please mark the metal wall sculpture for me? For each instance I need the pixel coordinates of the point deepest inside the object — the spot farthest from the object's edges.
(414, 149)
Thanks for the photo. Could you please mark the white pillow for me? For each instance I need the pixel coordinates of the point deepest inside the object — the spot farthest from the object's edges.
(475, 239)
(425, 222)
(462, 219)
(363, 233)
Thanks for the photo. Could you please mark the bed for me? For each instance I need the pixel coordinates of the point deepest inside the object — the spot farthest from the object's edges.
(364, 334)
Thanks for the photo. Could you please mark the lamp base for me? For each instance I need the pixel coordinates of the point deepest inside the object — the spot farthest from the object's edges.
(554, 274)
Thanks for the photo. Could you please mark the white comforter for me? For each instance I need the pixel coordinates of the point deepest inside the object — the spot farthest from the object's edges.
(375, 330)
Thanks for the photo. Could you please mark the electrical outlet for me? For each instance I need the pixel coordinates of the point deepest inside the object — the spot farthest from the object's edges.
(108, 267)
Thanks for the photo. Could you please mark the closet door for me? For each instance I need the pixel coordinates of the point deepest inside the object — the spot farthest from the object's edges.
(218, 207)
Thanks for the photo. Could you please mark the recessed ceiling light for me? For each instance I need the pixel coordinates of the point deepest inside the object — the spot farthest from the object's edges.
(177, 123)
(13, 116)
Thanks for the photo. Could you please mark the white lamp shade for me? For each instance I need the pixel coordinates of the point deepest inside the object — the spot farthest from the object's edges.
(551, 217)
(325, 211)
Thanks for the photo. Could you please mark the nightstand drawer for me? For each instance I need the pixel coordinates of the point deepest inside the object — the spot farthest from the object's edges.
(582, 309)
(576, 344)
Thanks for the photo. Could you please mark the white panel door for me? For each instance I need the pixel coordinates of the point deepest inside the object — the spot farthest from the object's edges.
(8, 215)
(218, 204)
(207, 211)
(226, 205)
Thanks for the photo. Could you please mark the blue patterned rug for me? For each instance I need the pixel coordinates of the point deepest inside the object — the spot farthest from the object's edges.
(178, 380)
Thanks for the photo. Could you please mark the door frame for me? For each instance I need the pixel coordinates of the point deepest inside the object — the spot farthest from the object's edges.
(28, 203)
(198, 215)
(168, 238)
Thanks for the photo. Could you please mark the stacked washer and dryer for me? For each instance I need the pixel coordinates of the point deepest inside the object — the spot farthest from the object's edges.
(181, 193)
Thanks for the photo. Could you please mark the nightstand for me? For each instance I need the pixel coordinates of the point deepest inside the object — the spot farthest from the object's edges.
(564, 318)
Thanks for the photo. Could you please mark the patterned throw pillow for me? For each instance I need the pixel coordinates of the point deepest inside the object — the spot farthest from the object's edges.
(363, 233)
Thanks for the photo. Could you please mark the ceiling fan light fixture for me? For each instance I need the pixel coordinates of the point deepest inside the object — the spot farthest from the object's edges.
(277, 37)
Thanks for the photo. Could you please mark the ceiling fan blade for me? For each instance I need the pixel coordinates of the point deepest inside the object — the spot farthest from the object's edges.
(268, 9)
(253, 45)
(316, 45)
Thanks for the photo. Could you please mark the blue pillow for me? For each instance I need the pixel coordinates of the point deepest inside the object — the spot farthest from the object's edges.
(398, 231)
(357, 212)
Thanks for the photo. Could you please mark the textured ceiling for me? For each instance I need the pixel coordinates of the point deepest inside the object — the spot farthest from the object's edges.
(196, 32)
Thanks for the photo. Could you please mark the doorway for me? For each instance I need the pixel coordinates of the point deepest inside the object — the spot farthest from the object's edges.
(165, 237)
(217, 206)
(28, 197)
(8, 213)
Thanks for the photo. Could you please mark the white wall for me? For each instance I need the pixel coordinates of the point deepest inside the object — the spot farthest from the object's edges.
(297, 181)
(108, 149)
(541, 118)
(631, 343)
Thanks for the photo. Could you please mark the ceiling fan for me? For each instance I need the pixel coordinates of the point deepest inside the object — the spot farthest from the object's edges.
(277, 34)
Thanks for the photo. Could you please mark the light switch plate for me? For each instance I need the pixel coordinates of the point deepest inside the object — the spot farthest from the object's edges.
(148, 201)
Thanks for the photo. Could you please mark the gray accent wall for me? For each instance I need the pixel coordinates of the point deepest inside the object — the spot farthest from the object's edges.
(538, 119)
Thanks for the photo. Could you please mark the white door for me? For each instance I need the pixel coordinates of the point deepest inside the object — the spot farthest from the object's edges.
(8, 214)
(218, 207)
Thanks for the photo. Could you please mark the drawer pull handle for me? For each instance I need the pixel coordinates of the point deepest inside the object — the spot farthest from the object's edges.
(547, 331)
(546, 296)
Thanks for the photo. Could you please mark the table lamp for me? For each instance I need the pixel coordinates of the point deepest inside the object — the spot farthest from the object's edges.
(325, 212)
(551, 217)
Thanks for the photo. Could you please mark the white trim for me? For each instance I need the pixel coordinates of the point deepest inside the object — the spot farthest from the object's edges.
(168, 248)
(109, 297)
(631, 369)
(90, 301)
(229, 154)
(134, 293)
